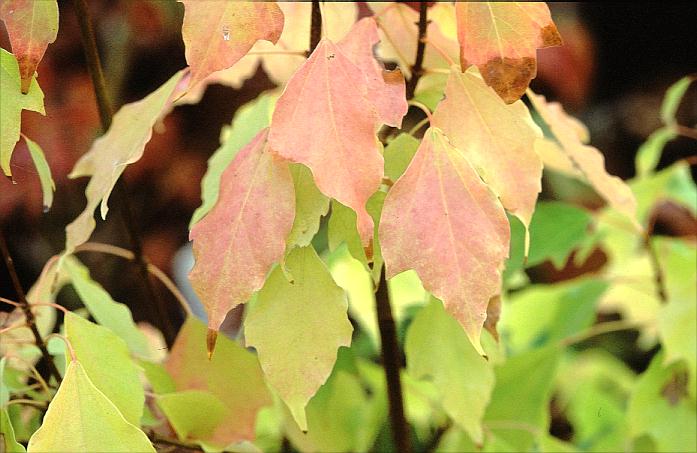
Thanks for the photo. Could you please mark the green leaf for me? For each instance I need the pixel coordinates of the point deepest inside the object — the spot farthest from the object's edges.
(113, 315)
(12, 102)
(45, 178)
(670, 184)
(398, 155)
(673, 97)
(81, 418)
(7, 435)
(194, 414)
(437, 348)
(555, 230)
(297, 329)
(106, 361)
(429, 90)
(660, 407)
(521, 395)
(248, 121)
(649, 153)
(158, 377)
(310, 206)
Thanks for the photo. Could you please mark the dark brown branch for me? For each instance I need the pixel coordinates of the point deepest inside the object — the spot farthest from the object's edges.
(391, 360)
(315, 26)
(417, 69)
(24, 304)
(156, 305)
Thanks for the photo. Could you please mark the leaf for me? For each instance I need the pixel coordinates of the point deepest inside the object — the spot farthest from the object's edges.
(113, 315)
(386, 89)
(232, 375)
(310, 206)
(95, 424)
(217, 33)
(7, 434)
(342, 150)
(232, 263)
(436, 347)
(44, 171)
(588, 160)
(297, 352)
(105, 359)
(398, 154)
(673, 97)
(441, 220)
(673, 184)
(194, 414)
(31, 26)
(123, 144)
(502, 39)
(555, 230)
(649, 154)
(497, 139)
(12, 102)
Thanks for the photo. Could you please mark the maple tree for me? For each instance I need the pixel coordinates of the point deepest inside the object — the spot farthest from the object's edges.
(349, 238)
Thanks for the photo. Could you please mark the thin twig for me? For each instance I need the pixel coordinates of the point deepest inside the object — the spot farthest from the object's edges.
(419, 125)
(315, 26)
(159, 439)
(158, 311)
(391, 359)
(24, 304)
(417, 69)
(27, 402)
(423, 108)
(658, 275)
(685, 131)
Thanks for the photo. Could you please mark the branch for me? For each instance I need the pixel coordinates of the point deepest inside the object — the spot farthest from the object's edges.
(392, 362)
(315, 26)
(658, 275)
(417, 69)
(158, 310)
(24, 305)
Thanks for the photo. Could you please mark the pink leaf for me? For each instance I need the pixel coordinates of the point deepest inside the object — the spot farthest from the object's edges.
(324, 121)
(239, 240)
(441, 220)
(217, 33)
(386, 89)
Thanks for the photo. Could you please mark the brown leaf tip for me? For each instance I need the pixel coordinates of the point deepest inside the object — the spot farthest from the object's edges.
(509, 77)
(211, 339)
(550, 36)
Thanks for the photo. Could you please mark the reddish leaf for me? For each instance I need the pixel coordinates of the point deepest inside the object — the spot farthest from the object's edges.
(217, 33)
(386, 89)
(501, 39)
(31, 26)
(239, 240)
(441, 220)
(324, 121)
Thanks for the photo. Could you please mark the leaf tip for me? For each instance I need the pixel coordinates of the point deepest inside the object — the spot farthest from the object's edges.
(211, 339)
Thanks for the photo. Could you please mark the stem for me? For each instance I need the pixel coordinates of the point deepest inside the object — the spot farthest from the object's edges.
(392, 362)
(423, 108)
(602, 328)
(158, 439)
(315, 26)
(158, 311)
(24, 305)
(417, 69)
(659, 277)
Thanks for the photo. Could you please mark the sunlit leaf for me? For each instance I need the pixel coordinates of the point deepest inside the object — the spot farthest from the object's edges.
(232, 263)
(437, 348)
(674, 184)
(297, 327)
(556, 228)
(31, 26)
(123, 144)
(310, 206)
(441, 220)
(80, 418)
(502, 39)
(217, 33)
(649, 153)
(12, 102)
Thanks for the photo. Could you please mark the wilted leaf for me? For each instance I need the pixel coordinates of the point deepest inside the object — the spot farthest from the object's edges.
(437, 348)
(12, 102)
(44, 171)
(497, 139)
(297, 329)
(80, 418)
(217, 33)
(104, 358)
(310, 206)
(123, 144)
(342, 150)
(31, 26)
(502, 39)
(232, 262)
(441, 220)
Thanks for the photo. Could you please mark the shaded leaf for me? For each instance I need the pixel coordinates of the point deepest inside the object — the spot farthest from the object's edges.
(44, 171)
(556, 228)
(123, 144)
(310, 206)
(7, 434)
(217, 33)
(441, 220)
(673, 97)
(297, 329)
(31, 26)
(194, 414)
(502, 39)
(342, 150)
(649, 154)
(398, 155)
(231, 264)
(12, 102)
(497, 139)
(95, 423)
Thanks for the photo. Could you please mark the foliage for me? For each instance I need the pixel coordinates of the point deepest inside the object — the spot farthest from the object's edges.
(318, 206)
